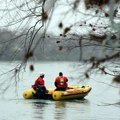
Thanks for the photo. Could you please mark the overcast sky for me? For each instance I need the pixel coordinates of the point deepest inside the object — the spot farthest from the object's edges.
(61, 12)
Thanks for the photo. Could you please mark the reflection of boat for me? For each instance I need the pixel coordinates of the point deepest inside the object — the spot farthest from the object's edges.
(74, 92)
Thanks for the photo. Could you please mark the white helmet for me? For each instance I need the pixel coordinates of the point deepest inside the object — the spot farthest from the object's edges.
(42, 74)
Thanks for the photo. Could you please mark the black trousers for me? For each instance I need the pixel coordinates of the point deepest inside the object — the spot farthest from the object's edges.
(41, 91)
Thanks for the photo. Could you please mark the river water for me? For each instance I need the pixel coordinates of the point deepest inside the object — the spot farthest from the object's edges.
(97, 105)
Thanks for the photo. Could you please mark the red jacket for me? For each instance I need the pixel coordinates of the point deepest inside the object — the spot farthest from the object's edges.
(61, 82)
(38, 82)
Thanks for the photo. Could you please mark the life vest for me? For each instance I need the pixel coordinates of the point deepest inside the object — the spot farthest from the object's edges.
(38, 82)
(61, 82)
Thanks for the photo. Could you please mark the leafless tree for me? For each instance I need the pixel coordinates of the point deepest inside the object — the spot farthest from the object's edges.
(76, 23)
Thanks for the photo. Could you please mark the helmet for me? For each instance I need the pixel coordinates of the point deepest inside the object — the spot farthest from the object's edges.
(60, 73)
(42, 74)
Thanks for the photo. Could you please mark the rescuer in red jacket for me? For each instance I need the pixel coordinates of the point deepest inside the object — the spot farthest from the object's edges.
(39, 86)
(39, 81)
(61, 82)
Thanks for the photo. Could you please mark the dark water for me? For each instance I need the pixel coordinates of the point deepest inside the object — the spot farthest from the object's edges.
(98, 105)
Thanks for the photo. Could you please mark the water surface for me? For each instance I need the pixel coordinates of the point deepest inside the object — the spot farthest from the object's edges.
(98, 105)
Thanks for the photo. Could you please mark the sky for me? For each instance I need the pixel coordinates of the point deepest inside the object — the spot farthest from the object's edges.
(58, 10)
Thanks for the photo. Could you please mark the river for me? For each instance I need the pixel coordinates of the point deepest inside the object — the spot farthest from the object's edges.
(97, 105)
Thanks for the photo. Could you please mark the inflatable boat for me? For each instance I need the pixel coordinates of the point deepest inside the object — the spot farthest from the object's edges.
(73, 92)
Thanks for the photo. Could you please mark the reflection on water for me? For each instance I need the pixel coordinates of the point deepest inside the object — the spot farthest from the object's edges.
(69, 110)
(60, 104)
(60, 110)
(39, 108)
(43, 109)
(57, 110)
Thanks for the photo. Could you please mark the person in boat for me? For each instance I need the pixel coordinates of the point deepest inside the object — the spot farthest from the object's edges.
(39, 86)
(61, 82)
